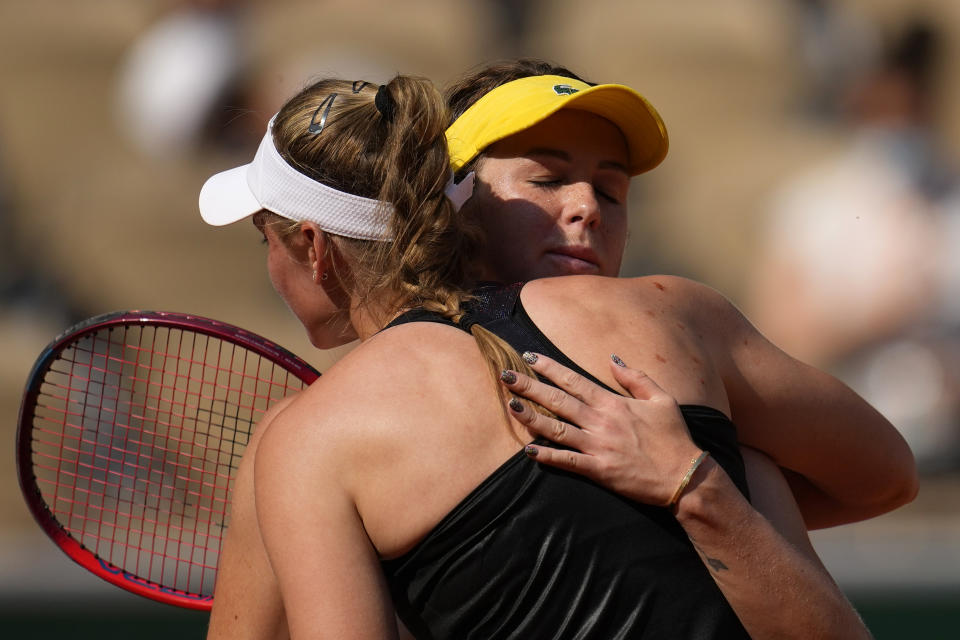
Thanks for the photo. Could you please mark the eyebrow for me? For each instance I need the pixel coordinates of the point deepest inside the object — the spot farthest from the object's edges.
(566, 157)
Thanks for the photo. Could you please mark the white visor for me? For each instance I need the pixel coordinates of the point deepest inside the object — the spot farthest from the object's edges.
(270, 183)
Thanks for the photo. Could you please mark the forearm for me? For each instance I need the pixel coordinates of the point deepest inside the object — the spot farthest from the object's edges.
(820, 509)
(855, 462)
(776, 590)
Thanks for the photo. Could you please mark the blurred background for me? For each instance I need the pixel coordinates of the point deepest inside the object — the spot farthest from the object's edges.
(813, 177)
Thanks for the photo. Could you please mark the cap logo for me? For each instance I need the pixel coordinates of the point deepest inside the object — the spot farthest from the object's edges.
(564, 90)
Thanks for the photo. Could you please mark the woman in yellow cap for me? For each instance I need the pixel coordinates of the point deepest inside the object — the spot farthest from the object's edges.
(403, 485)
(517, 126)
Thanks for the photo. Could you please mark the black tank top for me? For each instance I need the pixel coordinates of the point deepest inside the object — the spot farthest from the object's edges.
(538, 553)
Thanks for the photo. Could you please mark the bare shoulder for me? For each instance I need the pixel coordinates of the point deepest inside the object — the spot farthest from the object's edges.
(400, 376)
(394, 361)
(243, 483)
(268, 418)
(242, 498)
(654, 293)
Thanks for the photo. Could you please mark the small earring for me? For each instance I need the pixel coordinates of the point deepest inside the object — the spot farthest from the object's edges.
(314, 275)
(324, 276)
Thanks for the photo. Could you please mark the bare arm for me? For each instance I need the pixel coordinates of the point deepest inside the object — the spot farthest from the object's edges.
(761, 567)
(327, 569)
(854, 464)
(640, 448)
(246, 603)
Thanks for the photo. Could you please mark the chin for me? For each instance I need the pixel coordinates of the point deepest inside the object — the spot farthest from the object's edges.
(330, 337)
(328, 341)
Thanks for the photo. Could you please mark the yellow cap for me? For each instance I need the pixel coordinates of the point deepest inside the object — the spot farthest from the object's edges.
(520, 104)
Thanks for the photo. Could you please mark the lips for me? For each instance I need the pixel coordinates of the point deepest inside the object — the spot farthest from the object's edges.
(575, 260)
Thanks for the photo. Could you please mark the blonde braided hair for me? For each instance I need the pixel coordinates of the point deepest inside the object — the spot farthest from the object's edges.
(398, 157)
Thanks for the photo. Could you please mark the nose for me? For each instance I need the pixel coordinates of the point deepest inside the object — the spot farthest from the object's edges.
(581, 205)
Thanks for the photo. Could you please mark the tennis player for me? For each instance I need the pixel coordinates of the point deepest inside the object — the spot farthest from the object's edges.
(394, 485)
(510, 122)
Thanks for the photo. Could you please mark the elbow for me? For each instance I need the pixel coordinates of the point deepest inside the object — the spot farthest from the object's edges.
(903, 481)
(910, 486)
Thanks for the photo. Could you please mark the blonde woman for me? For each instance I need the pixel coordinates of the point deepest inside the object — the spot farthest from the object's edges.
(397, 484)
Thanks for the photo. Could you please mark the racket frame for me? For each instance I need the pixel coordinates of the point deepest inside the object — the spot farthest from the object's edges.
(28, 481)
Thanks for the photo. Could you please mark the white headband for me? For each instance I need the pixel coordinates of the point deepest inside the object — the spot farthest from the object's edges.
(269, 182)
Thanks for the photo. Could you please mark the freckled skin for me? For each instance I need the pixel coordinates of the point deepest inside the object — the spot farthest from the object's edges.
(660, 358)
(557, 187)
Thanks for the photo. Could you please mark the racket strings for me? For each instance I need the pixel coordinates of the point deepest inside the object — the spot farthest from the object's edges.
(136, 436)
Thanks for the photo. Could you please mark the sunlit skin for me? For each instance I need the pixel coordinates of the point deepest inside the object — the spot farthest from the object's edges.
(552, 199)
(289, 260)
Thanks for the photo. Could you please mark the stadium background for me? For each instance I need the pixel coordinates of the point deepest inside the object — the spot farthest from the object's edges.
(98, 205)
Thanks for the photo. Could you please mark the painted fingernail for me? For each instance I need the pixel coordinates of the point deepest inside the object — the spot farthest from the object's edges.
(530, 450)
(516, 405)
(529, 358)
(617, 361)
(508, 376)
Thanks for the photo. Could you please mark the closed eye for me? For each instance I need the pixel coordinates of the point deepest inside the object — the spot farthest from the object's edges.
(546, 182)
(606, 196)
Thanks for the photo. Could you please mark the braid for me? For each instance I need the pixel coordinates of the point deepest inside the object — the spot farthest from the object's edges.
(389, 143)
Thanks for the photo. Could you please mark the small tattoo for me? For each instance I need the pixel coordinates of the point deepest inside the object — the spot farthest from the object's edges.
(617, 361)
(516, 405)
(659, 286)
(529, 358)
(715, 564)
(660, 358)
(508, 376)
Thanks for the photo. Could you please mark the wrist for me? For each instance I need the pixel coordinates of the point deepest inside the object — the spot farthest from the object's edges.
(695, 463)
(698, 498)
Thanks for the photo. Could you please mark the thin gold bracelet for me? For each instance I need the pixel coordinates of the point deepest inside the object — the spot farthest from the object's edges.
(686, 479)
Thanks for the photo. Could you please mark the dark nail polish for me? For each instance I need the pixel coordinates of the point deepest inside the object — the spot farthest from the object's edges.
(617, 361)
(530, 450)
(508, 376)
(516, 405)
(529, 358)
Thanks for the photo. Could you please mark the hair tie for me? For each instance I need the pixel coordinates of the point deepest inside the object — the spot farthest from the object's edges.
(467, 321)
(384, 103)
(358, 85)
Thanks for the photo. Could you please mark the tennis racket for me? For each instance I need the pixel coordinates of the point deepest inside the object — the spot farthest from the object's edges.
(131, 428)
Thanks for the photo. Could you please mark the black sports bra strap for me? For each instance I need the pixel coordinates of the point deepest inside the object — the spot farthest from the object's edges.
(419, 315)
(494, 301)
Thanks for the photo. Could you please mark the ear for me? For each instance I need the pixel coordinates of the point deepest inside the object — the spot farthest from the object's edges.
(316, 245)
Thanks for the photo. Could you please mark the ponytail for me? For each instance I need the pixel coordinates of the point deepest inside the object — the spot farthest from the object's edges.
(389, 143)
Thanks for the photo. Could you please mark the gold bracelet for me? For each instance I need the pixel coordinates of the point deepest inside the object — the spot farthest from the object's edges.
(686, 479)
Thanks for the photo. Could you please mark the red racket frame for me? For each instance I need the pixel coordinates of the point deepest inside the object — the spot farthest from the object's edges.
(28, 455)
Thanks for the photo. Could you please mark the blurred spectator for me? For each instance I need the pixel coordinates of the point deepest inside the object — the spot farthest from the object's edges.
(179, 76)
(512, 23)
(836, 44)
(859, 272)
